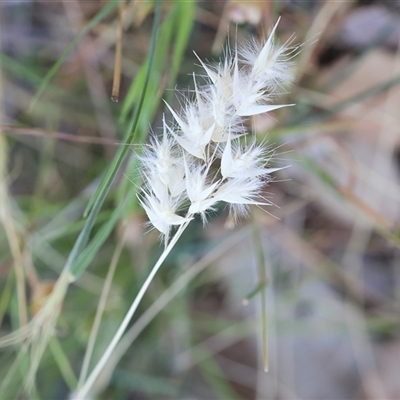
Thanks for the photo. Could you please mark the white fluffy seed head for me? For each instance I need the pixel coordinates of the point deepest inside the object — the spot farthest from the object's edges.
(162, 213)
(200, 159)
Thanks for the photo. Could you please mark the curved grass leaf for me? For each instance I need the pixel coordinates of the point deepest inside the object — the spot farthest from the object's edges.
(99, 196)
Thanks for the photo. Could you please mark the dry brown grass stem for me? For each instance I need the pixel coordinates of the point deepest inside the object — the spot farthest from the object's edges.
(70, 137)
(118, 53)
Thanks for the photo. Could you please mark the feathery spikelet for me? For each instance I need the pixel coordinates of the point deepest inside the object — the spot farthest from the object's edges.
(200, 160)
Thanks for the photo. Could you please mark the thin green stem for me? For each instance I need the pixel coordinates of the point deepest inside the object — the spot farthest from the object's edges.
(84, 390)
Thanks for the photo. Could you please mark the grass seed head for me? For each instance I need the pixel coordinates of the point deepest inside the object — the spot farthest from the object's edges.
(200, 160)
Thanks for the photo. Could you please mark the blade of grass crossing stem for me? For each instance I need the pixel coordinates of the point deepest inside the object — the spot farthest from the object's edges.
(53, 70)
(117, 161)
(263, 280)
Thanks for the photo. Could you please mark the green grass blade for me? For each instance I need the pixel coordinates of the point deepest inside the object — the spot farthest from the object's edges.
(174, 33)
(161, 52)
(20, 70)
(135, 95)
(96, 194)
(53, 70)
(178, 26)
(88, 254)
(118, 159)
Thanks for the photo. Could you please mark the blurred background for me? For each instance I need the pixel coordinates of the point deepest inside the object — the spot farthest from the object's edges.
(313, 282)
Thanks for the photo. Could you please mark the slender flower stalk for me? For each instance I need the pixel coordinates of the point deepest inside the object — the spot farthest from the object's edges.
(205, 156)
(83, 391)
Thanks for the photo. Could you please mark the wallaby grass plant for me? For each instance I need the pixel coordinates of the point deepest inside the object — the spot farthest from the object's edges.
(180, 168)
(203, 156)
